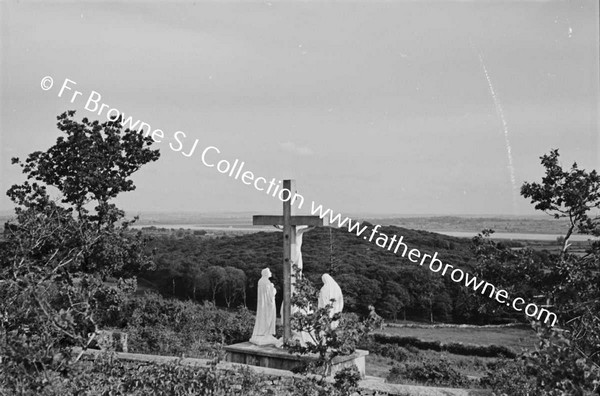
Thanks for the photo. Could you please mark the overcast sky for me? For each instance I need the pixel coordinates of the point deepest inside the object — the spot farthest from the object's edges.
(409, 107)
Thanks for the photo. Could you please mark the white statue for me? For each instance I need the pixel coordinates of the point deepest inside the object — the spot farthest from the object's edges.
(264, 327)
(331, 291)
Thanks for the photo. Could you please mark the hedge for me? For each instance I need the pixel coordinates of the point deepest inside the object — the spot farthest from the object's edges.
(453, 347)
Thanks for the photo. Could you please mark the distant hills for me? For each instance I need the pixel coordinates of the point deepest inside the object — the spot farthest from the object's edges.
(534, 224)
(506, 224)
(500, 223)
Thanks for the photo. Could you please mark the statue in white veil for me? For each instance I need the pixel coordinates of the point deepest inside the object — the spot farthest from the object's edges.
(331, 293)
(264, 327)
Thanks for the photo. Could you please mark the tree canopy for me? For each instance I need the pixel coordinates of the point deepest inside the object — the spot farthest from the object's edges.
(58, 251)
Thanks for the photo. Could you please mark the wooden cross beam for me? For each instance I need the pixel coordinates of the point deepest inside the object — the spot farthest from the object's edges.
(289, 223)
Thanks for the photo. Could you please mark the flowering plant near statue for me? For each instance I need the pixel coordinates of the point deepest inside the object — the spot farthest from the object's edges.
(331, 333)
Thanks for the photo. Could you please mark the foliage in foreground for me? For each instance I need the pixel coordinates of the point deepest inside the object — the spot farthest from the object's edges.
(331, 334)
(58, 254)
(108, 376)
(567, 359)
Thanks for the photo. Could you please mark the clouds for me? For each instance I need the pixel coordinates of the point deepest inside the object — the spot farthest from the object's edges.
(387, 105)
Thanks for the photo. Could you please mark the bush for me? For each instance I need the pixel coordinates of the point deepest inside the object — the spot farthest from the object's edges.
(479, 350)
(509, 377)
(408, 341)
(455, 347)
(346, 380)
(556, 367)
(559, 367)
(428, 373)
(173, 327)
(391, 351)
(108, 376)
(327, 340)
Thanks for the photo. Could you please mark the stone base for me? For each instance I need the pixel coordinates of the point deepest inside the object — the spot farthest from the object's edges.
(279, 358)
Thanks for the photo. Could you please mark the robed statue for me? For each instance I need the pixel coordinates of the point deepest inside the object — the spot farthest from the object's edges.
(331, 293)
(264, 327)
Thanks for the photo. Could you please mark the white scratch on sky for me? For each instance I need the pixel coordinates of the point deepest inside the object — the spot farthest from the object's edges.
(566, 21)
(500, 112)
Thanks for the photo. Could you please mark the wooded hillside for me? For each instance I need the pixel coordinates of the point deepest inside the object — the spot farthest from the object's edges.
(205, 268)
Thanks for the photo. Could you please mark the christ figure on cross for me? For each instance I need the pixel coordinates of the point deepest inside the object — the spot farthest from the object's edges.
(293, 229)
(297, 250)
(296, 258)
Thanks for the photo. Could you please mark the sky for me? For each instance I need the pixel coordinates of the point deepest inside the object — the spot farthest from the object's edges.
(395, 107)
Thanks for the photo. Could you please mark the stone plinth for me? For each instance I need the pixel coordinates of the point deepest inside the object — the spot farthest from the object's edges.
(279, 358)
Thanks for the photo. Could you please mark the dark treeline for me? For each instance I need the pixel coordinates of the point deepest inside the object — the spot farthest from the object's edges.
(226, 269)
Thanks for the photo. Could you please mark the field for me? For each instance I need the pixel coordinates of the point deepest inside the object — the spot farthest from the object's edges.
(473, 367)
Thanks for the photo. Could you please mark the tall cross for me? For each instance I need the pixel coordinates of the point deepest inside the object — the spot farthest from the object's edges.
(289, 223)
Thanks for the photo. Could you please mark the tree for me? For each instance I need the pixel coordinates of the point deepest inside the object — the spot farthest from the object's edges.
(575, 280)
(567, 360)
(333, 261)
(567, 194)
(215, 278)
(56, 254)
(360, 292)
(424, 287)
(195, 278)
(91, 166)
(234, 284)
(395, 299)
(521, 272)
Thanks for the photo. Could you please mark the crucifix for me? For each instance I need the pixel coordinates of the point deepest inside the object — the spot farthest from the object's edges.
(293, 228)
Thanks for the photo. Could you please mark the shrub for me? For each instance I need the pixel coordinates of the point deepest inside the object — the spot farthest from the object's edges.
(455, 347)
(559, 367)
(172, 327)
(331, 343)
(408, 341)
(327, 341)
(479, 350)
(509, 377)
(391, 351)
(107, 376)
(428, 373)
(346, 380)
(412, 349)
